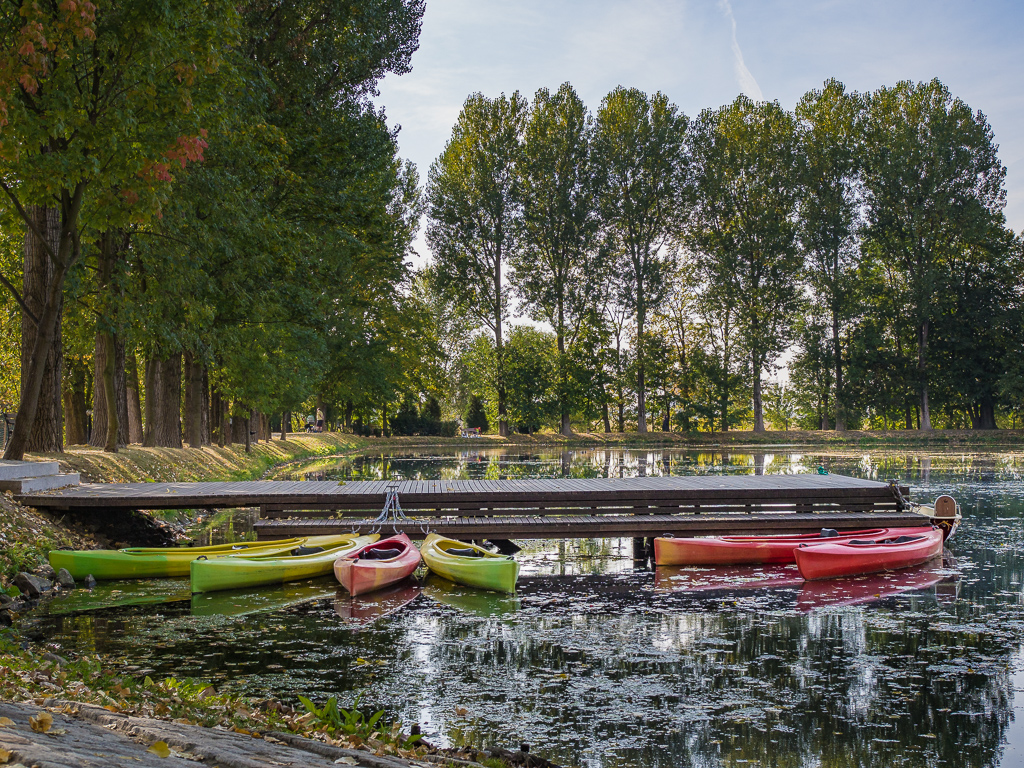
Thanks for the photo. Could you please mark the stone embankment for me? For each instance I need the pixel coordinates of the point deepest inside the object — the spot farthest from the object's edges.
(72, 735)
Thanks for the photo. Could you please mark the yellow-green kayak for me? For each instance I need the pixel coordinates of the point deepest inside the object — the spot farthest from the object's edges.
(234, 572)
(469, 564)
(157, 563)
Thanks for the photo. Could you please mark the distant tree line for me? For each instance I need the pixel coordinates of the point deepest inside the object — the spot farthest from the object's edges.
(674, 265)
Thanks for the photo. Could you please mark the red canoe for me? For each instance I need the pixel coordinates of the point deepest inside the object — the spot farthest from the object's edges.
(851, 558)
(755, 550)
(377, 565)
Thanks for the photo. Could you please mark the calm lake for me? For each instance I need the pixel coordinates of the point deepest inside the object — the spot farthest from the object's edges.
(596, 662)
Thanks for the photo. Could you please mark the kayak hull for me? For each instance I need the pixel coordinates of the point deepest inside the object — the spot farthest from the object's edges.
(238, 572)
(488, 571)
(830, 561)
(359, 575)
(166, 562)
(754, 550)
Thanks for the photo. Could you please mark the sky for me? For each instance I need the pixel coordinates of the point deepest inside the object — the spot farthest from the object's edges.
(703, 53)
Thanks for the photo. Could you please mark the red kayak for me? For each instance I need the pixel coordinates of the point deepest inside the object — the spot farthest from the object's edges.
(377, 565)
(851, 558)
(755, 550)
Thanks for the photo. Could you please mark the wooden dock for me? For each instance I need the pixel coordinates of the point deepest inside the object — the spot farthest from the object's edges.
(538, 508)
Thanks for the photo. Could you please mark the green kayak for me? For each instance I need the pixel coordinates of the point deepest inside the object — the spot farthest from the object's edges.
(157, 563)
(469, 564)
(234, 572)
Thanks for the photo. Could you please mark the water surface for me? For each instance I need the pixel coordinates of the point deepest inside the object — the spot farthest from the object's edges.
(596, 662)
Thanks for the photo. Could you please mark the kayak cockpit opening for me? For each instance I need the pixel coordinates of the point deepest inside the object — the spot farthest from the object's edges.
(829, 533)
(299, 551)
(379, 553)
(464, 552)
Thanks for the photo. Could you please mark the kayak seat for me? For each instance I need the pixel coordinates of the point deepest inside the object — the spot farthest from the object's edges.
(829, 533)
(902, 540)
(306, 551)
(862, 542)
(464, 552)
(379, 554)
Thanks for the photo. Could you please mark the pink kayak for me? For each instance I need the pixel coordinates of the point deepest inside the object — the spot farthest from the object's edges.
(377, 565)
(755, 550)
(851, 558)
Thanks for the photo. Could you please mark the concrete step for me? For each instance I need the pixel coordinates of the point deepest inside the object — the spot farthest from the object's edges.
(17, 470)
(38, 484)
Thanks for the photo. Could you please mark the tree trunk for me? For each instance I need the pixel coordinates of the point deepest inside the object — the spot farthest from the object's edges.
(758, 402)
(666, 419)
(131, 377)
(286, 419)
(239, 427)
(163, 402)
(46, 433)
(196, 420)
(604, 416)
(76, 429)
(248, 431)
(563, 398)
(922, 371)
(348, 415)
(641, 382)
(641, 396)
(216, 418)
(988, 413)
(110, 394)
(840, 395)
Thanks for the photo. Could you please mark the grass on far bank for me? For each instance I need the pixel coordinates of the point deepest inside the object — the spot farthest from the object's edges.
(213, 463)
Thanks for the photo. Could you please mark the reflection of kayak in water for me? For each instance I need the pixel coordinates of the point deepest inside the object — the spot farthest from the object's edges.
(365, 609)
(669, 578)
(242, 602)
(468, 599)
(876, 586)
(117, 594)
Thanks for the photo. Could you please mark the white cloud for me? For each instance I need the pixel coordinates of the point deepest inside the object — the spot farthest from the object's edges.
(744, 77)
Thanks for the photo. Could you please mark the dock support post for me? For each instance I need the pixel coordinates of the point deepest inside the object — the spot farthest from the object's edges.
(639, 549)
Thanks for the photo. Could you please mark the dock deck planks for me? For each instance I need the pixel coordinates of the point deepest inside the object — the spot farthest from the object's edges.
(526, 508)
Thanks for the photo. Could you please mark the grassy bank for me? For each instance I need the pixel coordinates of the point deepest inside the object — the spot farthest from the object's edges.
(936, 439)
(137, 464)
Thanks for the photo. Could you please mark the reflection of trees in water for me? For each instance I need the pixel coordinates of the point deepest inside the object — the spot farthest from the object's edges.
(512, 463)
(846, 687)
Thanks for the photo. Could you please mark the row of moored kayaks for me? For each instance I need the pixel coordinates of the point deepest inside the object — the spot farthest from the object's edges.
(361, 563)
(367, 563)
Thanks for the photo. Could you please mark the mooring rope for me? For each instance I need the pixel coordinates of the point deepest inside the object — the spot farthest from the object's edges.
(392, 511)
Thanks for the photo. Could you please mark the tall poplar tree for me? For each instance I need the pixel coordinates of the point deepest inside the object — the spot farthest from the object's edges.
(475, 215)
(743, 230)
(558, 268)
(934, 187)
(830, 145)
(639, 144)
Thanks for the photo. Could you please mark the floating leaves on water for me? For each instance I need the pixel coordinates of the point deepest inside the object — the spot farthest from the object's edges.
(461, 711)
(160, 749)
(346, 761)
(6, 722)
(41, 723)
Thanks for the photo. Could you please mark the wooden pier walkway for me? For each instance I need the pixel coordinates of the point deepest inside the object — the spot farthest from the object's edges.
(538, 508)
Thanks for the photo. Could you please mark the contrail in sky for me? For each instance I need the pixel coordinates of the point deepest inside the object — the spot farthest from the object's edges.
(746, 80)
